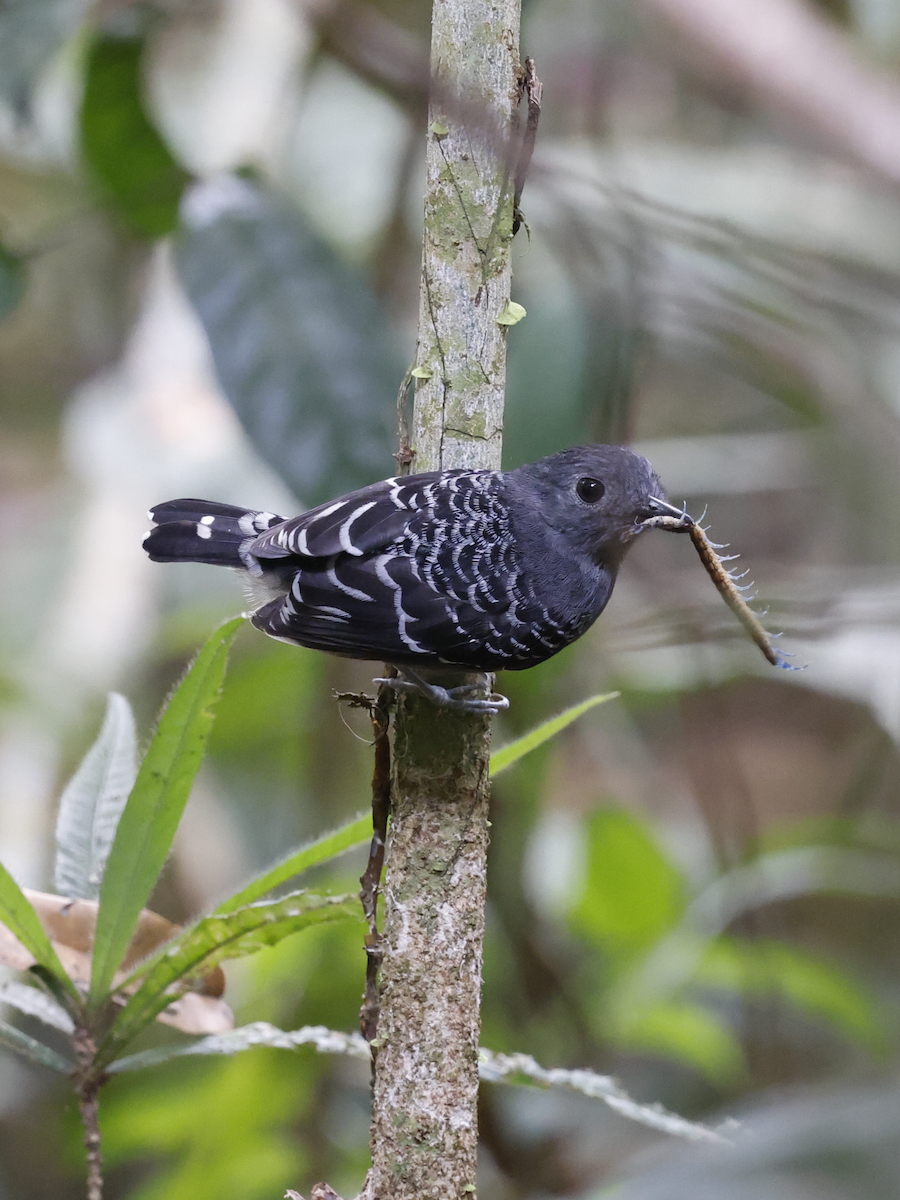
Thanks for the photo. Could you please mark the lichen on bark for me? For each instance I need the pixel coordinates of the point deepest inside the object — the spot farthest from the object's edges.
(466, 275)
(424, 1128)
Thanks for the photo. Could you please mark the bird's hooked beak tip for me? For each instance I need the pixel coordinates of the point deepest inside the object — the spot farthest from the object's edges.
(659, 514)
(661, 508)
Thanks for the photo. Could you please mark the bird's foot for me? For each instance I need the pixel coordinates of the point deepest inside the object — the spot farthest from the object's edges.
(457, 699)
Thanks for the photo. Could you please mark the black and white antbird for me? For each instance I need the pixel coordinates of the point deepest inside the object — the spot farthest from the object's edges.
(475, 570)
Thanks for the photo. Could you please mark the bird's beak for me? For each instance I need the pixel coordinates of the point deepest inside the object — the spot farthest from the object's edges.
(659, 514)
(660, 508)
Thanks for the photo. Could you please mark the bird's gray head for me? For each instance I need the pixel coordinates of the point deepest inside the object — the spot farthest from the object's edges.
(595, 497)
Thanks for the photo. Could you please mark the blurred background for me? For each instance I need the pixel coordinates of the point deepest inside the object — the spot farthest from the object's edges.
(209, 252)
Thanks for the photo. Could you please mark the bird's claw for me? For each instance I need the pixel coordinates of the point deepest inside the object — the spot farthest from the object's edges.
(456, 699)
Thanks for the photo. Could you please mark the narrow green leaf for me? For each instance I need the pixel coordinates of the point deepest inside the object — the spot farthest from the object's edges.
(324, 848)
(203, 945)
(246, 1037)
(21, 920)
(121, 147)
(92, 804)
(519, 1068)
(501, 759)
(35, 1003)
(421, 373)
(148, 824)
(32, 1049)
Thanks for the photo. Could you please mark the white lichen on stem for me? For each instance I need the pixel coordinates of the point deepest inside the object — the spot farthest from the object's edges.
(424, 1127)
(466, 272)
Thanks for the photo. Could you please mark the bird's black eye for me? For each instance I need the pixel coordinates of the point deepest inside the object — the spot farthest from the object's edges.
(589, 490)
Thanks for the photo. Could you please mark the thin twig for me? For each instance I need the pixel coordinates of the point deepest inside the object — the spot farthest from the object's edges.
(89, 1107)
(533, 90)
(370, 880)
(88, 1088)
(404, 455)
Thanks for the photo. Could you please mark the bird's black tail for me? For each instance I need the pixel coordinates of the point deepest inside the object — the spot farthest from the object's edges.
(203, 531)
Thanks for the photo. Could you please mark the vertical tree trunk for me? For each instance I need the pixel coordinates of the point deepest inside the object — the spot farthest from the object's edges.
(424, 1129)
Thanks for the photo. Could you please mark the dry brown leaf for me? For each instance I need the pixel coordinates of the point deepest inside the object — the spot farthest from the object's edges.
(70, 926)
(193, 1013)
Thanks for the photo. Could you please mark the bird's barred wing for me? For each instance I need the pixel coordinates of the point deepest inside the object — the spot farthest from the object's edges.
(372, 608)
(359, 524)
(449, 589)
(382, 608)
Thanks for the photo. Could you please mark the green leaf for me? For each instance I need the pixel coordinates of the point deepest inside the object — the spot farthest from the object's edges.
(121, 148)
(632, 894)
(92, 804)
(36, 1003)
(421, 373)
(154, 808)
(324, 848)
(687, 1032)
(200, 947)
(246, 1037)
(822, 989)
(32, 1049)
(12, 281)
(512, 314)
(302, 347)
(438, 129)
(22, 921)
(501, 759)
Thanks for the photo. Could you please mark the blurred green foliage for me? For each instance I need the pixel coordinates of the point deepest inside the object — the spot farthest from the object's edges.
(308, 980)
(631, 895)
(12, 281)
(122, 149)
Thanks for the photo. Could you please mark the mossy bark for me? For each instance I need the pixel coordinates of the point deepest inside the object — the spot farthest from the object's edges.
(424, 1130)
(466, 274)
